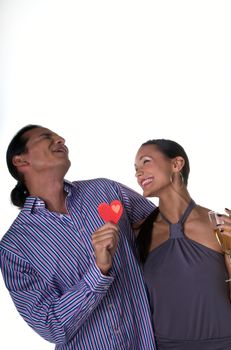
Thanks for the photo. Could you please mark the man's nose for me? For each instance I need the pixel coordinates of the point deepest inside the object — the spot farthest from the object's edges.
(59, 139)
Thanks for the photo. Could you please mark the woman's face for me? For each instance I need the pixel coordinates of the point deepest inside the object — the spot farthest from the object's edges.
(153, 170)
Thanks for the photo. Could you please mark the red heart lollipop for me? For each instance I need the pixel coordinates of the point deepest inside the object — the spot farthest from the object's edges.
(111, 212)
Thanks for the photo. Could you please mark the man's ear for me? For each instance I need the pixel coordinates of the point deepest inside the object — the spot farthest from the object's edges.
(178, 163)
(19, 161)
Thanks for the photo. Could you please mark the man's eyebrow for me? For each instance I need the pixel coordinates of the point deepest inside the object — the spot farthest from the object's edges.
(46, 133)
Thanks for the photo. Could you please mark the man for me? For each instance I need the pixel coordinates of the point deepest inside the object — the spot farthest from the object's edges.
(74, 279)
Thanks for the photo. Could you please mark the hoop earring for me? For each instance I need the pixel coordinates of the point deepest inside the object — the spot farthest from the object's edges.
(182, 178)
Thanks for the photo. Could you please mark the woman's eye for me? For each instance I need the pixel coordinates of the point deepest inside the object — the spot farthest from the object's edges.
(146, 161)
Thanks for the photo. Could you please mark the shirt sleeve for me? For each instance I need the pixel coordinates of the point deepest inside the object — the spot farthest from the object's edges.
(55, 316)
(137, 207)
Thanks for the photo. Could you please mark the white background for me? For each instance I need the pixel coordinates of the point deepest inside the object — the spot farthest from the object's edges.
(109, 75)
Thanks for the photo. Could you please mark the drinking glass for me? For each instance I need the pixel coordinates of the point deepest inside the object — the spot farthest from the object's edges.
(223, 239)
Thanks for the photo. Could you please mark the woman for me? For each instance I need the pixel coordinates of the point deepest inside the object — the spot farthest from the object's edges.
(184, 267)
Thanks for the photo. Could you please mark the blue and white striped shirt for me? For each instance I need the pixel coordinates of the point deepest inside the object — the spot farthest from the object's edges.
(49, 269)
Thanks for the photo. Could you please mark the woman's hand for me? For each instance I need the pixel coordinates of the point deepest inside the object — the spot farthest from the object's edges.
(226, 226)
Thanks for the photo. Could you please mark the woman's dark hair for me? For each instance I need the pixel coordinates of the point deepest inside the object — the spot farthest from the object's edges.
(143, 239)
(170, 149)
(16, 147)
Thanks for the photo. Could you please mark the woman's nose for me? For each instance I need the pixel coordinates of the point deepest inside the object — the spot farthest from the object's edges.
(138, 173)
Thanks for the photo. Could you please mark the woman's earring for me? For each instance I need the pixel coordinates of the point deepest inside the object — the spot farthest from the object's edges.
(182, 178)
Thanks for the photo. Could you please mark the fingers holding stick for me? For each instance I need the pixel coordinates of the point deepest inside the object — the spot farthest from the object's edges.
(105, 241)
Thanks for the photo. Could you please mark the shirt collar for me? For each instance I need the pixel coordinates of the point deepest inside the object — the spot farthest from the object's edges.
(34, 203)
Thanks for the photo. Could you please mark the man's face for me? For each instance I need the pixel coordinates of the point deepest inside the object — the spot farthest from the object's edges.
(46, 150)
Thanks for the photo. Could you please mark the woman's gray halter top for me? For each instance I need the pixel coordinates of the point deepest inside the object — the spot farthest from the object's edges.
(189, 298)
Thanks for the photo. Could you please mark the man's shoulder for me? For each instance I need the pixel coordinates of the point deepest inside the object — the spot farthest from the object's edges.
(101, 181)
(12, 234)
(100, 188)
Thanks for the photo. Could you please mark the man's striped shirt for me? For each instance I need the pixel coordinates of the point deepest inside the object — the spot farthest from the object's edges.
(48, 266)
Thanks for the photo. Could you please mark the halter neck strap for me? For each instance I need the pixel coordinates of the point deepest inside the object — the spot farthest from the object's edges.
(184, 215)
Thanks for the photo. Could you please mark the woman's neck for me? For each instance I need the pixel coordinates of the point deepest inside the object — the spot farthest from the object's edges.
(172, 206)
